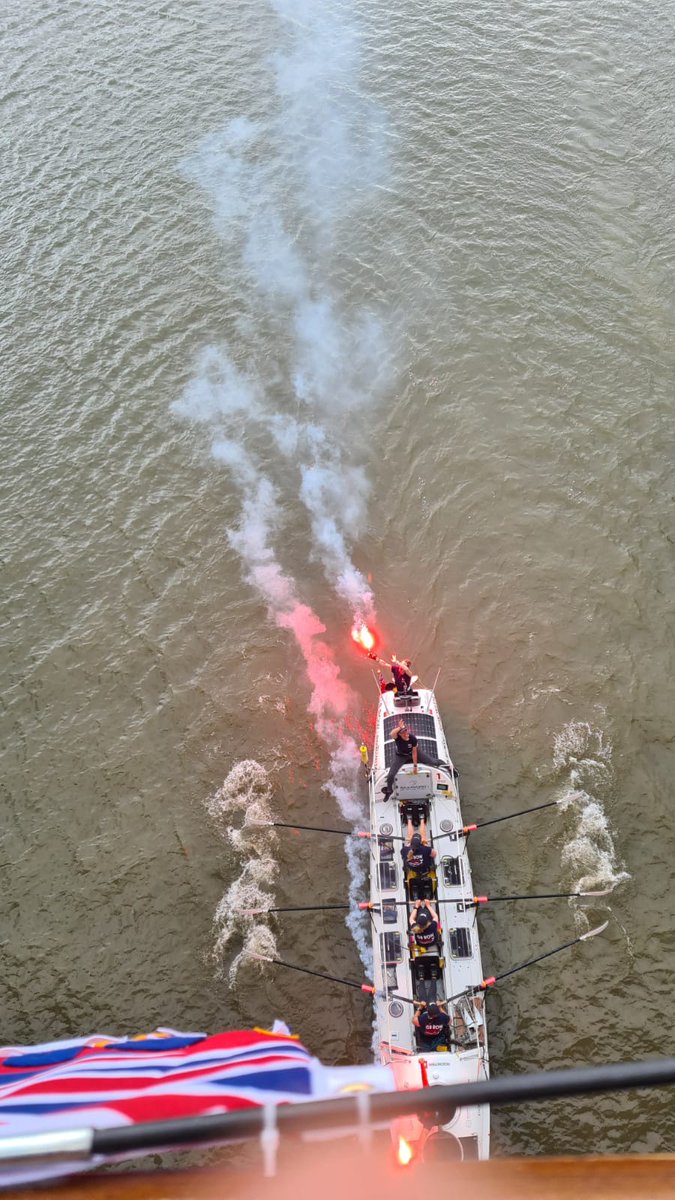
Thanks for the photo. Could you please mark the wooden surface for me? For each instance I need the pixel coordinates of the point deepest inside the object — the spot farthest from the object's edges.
(329, 1175)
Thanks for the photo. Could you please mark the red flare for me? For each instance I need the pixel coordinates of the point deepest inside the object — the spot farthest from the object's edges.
(363, 637)
(404, 1152)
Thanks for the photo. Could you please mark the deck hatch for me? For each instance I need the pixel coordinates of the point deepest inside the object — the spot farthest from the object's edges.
(386, 846)
(392, 948)
(452, 872)
(460, 943)
(387, 876)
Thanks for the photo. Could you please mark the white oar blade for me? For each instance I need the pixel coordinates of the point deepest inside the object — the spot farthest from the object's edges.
(592, 932)
(606, 892)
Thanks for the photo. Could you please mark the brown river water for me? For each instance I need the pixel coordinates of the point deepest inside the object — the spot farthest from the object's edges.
(312, 309)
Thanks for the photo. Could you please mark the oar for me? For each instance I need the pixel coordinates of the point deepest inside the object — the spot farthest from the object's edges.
(358, 833)
(493, 979)
(477, 900)
(312, 828)
(361, 987)
(467, 829)
(369, 905)
(256, 912)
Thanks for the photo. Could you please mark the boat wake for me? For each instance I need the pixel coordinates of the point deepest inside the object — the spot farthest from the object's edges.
(582, 757)
(242, 801)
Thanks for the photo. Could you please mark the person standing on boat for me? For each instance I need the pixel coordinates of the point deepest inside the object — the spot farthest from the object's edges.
(406, 750)
(424, 922)
(432, 1022)
(401, 672)
(416, 852)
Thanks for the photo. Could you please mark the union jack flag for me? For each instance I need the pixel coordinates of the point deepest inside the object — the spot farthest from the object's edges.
(104, 1081)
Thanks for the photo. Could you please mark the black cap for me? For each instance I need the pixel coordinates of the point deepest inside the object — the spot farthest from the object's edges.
(416, 840)
(423, 918)
(433, 1010)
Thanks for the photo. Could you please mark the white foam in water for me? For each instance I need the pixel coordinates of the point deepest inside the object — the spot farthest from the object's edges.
(245, 798)
(583, 755)
(281, 191)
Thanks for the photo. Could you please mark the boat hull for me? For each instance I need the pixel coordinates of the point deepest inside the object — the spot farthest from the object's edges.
(404, 973)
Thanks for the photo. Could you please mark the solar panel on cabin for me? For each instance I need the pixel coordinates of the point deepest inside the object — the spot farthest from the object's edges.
(421, 724)
(427, 744)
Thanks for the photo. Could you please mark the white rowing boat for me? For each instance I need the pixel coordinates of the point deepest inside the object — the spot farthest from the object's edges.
(450, 969)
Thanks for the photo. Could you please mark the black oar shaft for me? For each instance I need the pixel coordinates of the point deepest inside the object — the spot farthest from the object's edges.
(530, 896)
(361, 987)
(279, 962)
(311, 828)
(540, 957)
(521, 813)
(492, 979)
(474, 902)
(305, 908)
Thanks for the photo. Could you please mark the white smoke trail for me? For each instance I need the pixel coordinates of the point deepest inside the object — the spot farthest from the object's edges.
(583, 755)
(282, 193)
(315, 162)
(330, 699)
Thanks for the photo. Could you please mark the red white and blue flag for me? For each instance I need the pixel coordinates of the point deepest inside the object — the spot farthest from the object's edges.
(100, 1081)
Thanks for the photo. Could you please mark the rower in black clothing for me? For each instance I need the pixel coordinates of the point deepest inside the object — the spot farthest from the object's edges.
(417, 854)
(432, 1021)
(424, 922)
(406, 750)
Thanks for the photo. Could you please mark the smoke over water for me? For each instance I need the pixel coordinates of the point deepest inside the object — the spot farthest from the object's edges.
(583, 757)
(283, 193)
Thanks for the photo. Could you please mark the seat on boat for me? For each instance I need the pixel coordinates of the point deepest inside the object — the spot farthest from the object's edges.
(421, 887)
(407, 700)
(427, 977)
